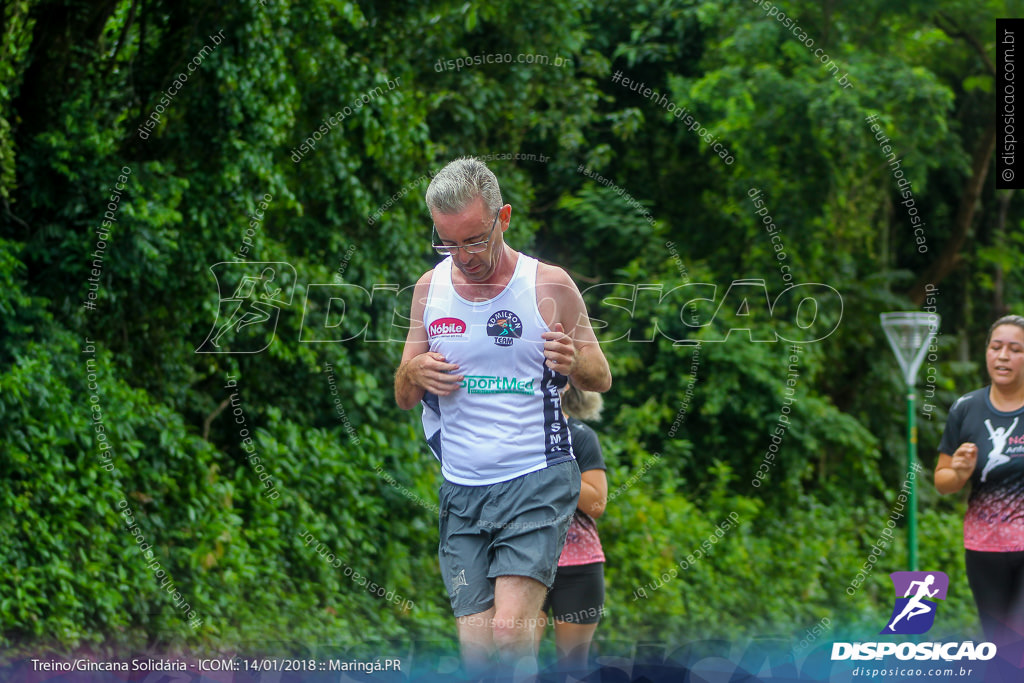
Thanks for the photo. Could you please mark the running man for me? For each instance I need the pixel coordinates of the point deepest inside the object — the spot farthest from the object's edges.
(914, 606)
(493, 337)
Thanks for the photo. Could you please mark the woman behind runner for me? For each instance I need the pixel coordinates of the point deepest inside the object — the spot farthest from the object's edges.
(984, 443)
(576, 598)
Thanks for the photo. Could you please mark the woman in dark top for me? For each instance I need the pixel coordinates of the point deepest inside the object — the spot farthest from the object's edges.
(984, 443)
(576, 598)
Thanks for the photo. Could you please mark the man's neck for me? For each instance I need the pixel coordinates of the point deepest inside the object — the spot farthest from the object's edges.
(491, 287)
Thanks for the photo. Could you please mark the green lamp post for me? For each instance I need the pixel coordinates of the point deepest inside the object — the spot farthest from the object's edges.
(910, 334)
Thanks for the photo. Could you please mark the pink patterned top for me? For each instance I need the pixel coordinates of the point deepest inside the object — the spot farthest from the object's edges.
(582, 544)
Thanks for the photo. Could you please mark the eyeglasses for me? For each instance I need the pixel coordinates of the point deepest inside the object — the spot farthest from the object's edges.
(474, 248)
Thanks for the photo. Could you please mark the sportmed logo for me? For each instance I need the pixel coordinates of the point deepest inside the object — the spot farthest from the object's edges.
(483, 384)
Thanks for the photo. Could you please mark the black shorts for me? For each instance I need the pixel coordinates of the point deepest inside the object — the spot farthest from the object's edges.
(577, 595)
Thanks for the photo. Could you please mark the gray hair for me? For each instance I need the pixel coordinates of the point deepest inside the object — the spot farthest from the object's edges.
(583, 405)
(460, 182)
(1005, 320)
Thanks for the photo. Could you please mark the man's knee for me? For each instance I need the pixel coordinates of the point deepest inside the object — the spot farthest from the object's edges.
(510, 628)
(475, 626)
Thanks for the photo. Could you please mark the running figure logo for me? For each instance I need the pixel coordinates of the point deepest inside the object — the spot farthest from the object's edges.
(246, 320)
(914, 612)
(505, 327)
(998, 436)
(459, 581)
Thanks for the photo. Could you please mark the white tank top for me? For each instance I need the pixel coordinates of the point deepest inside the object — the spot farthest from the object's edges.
(505, 419)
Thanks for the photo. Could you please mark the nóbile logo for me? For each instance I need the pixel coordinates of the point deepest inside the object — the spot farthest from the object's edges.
(446, 327)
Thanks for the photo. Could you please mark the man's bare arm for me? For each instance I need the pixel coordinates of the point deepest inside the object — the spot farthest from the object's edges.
(571, 348)
(421, 369)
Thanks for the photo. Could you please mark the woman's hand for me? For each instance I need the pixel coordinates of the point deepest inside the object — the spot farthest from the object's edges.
(953, 471)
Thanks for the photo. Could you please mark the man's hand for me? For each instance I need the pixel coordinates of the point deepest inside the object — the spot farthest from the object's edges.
(559, 351)
(432, 373)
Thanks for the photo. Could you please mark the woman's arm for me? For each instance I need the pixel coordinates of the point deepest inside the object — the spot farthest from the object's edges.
(593, 493)
(953, 471)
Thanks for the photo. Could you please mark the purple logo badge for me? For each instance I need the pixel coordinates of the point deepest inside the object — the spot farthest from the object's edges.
(916, 596)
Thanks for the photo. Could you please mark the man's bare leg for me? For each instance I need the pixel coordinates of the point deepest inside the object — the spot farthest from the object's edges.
(517, 601)
(476, 641)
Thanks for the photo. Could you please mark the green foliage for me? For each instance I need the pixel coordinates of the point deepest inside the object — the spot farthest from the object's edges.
(678, 571)
(681, 580)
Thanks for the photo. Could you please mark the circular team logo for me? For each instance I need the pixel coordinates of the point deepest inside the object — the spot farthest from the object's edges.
(504, 326)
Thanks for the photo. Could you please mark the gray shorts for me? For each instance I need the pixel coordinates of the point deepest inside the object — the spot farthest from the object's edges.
(512, 528)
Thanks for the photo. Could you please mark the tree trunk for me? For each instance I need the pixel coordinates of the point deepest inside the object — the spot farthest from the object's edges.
(950, 257)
